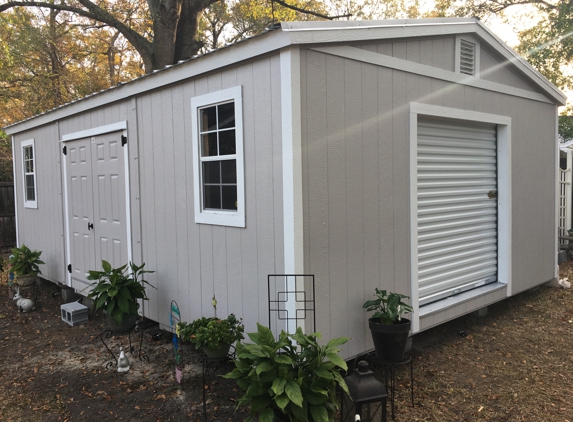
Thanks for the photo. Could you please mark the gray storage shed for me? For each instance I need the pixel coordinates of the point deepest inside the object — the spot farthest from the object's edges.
(418, 156)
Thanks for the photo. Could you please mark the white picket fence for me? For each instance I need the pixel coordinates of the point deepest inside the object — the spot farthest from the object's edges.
(565, 188)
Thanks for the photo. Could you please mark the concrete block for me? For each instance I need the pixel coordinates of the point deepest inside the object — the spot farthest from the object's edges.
(69, 295)
(74, 313)
(481, 312)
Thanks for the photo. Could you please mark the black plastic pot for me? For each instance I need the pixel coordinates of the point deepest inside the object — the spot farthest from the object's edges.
(389, 340)
(120, 328)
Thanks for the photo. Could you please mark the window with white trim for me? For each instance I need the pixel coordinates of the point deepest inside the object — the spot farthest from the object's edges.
(218, 165)
(29, 174)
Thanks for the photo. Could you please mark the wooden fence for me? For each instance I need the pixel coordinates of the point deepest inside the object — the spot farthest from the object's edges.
(7, 215)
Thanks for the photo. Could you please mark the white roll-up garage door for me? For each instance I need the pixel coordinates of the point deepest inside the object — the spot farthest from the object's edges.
(457, 207)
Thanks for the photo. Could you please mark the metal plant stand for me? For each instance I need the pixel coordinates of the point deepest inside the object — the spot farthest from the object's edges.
(291, 301)
(139, 328)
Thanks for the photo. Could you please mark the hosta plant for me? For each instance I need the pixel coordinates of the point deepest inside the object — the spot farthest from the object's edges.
(289, 379)
(25, 261)
(116, 290)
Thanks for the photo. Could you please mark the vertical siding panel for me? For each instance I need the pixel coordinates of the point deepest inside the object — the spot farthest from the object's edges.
(385, 48)
(315, 116)
(148, 202)
(165, 182)
(262, 108)
(449, 54)
(354, 196)
(426, 56)
(192, 309)
(371, 199)
(400, 50)
(250, 248)
(469, 98)
(401, 187)
(438, 53)
(182, 189)
(413, 51)
(277, 163)
(337, 240)
(386, 187)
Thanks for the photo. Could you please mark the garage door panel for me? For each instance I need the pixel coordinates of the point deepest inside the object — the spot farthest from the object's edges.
(457, 221)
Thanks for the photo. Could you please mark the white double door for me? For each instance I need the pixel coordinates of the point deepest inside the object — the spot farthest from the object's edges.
(97, 207)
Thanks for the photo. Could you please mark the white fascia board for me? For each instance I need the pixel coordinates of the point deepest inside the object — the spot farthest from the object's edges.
(366, 56)
(242, 51)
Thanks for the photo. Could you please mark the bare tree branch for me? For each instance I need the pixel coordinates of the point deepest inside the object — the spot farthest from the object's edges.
(310, 12)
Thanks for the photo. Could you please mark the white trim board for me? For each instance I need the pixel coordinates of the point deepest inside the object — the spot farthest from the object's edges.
(378, 59)
(15, 188)
(503, 187)
(100, 130)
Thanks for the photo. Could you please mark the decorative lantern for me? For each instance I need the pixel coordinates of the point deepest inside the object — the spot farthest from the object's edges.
(368, 394)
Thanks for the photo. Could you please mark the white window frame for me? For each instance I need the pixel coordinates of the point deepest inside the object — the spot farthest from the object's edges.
(209, 216)
(23, 146)
(472, 40)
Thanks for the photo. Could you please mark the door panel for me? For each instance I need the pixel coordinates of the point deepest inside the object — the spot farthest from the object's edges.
(110, 196)
(95, 171)
(457, 215)
(80, 204)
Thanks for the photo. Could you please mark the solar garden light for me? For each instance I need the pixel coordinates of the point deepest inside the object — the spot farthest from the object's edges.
(364, 390)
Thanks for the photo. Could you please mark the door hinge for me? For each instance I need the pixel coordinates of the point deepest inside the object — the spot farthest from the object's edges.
(492, 194)
(123, 140)
(65, 150)
(70, 268)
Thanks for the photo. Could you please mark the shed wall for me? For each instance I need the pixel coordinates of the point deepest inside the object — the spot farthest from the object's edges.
(194, 262)
(356, 186)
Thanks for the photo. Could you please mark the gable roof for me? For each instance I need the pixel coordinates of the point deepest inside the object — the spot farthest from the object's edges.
(297, 33)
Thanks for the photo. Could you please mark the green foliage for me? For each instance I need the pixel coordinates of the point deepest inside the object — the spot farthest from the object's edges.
(117, 289)
(24, 261)
(209, 332)
(6, 173)
(389, 307)
(566, 126)
(291, 379)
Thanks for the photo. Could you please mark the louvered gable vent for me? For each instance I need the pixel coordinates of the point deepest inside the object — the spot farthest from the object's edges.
(467, 57)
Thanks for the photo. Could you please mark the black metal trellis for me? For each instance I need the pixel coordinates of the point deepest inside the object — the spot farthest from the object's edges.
(291, 300)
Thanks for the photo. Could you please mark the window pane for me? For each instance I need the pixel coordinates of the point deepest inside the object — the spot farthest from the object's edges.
(212, 172)
(28, 154)
(209, 148)
(226, 115)
(212, 197)
(229, 197)
(227, 142)
(29, 166)
(208, 118)
(30, 195)
(229, 171)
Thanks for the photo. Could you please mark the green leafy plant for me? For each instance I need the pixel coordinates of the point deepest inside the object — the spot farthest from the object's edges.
(289, 379)
(388, 307)
(116, 289)
(24, 261)
(210, 332)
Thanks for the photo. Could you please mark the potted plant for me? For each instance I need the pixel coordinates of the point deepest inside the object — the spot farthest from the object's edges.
(389, 330)
(289, 379)
(116, 291)
(24, 264)
(213, 335)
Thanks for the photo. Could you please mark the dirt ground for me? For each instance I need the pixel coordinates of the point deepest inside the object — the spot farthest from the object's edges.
(511, 365)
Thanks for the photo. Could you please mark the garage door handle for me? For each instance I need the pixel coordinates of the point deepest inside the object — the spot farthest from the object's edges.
(492, 194)
(90, 226)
